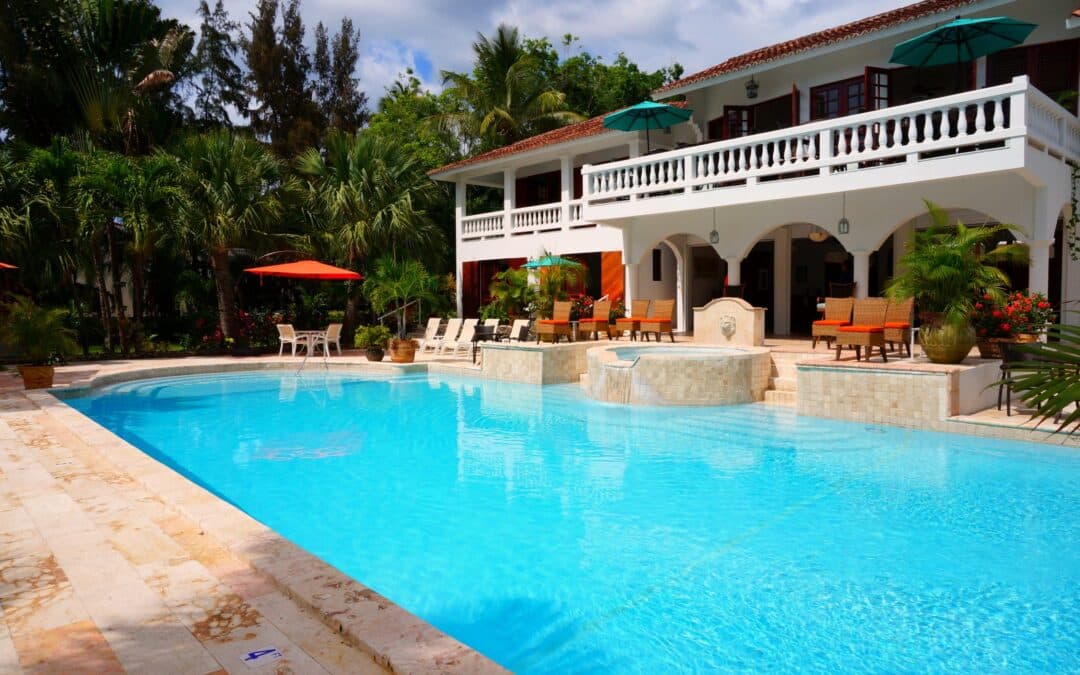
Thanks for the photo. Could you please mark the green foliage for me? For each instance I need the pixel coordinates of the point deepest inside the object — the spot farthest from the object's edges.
(511, 295)
(372, 337)
(35, 332)
(552, 286)
(1050, 381)
(402, 118)
(343, 105)
(947, 267)
(392, 284)
(220, 82)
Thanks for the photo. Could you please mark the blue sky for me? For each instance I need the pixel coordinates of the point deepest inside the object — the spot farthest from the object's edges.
(434, 35)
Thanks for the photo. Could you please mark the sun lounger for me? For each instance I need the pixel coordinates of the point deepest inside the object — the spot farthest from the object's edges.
(464, 341)
(430, 333)
(453, 327)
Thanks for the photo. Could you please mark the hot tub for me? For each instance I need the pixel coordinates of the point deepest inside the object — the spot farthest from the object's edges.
(678, 375)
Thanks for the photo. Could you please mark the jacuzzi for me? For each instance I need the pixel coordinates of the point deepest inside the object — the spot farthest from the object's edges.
(677, 374)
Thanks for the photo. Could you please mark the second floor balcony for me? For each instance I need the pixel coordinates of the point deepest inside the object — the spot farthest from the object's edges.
(1012, 126)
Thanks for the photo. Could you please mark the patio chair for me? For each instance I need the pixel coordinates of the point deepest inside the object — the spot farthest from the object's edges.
(659, 320)
(519, 330)
(599, 321)
(898, 318)
(558, 325)
(639, 309)
(463, 341)
(867, 329)
(453, 327)
(837, 313)
(430, 331)
(287, 335)
(332, 337)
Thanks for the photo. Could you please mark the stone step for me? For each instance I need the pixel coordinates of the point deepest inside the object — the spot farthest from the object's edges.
(783, 383)
(774, 397)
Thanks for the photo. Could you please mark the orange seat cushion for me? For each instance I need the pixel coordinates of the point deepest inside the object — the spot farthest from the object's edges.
(831, 322)
(626, 319)
(656, 320)
(553, 322)
(862, 329)
(897, 324)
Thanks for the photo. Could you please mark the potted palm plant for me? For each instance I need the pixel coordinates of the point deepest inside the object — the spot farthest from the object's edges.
(38, 335)
(394, 286)
(945, 268)
(373, 340)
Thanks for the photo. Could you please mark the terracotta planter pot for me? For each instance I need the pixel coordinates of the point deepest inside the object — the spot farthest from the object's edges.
(37, 377)
(374, 354)
(990, 348)
(403, 351)
(949, 343)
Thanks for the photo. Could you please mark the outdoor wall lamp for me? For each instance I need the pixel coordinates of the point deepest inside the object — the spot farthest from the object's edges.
(714, 236)
(844, 226)
(751, 88)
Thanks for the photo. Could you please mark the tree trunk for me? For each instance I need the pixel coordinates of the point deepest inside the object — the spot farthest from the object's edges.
(349, 329)
(226, 294)
(118, 292)
(104, 309)
(138, 287)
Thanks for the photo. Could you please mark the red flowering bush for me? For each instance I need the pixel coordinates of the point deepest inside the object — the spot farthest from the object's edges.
(1027, 312)
(989, 319)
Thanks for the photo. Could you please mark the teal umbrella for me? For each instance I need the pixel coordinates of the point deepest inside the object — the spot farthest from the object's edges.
(551, 261)
(961, 41)
(646, 115)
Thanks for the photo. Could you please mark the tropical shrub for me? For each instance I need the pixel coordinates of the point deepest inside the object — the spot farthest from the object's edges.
(988, 318)
(1050, 382)
(372, 337)
(36, 333)
(1027, 312)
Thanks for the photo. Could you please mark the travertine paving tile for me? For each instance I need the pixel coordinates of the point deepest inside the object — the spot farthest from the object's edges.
(72, 648)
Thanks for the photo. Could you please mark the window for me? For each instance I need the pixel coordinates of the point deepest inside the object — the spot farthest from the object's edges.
(1052, 67)
(657, 265)
(837, 99)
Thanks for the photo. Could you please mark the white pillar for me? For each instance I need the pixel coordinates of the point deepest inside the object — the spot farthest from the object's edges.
(782, 281)
(566, 189)
(861, 269)
(680, 287)
(509, 198)
(1039, 265)
(734, 270)
(459, 216)
(900, 240)
(630, 283)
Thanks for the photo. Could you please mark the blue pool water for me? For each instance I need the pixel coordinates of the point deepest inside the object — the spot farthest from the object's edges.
(557, 534)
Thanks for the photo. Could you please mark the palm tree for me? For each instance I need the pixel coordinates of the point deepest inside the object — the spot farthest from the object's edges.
(235, 189)
(372, 198)
(393, 284)
(507, 95)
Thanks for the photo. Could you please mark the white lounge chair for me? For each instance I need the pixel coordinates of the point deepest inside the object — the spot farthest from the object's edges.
(287, 335)
(464, 341)
(491, 323)
(453, 327)
(430, 332)
(515, 330)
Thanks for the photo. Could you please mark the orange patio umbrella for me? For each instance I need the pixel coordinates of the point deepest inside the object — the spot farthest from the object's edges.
(305, 269)
(6, 266)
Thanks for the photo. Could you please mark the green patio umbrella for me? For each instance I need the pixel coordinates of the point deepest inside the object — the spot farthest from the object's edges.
(551, 261)
(961, 41)
(646, 115)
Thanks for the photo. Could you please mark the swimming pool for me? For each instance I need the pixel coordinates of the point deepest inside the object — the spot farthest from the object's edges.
(557, 534)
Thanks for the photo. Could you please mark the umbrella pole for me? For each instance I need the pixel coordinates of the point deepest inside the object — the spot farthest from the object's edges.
(646, 140)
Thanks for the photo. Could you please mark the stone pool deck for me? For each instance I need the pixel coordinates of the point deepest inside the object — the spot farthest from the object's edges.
(110, 562)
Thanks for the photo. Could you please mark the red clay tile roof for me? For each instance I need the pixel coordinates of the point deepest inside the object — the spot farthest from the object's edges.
(571, 132)
(820, 39)
(1076, 12)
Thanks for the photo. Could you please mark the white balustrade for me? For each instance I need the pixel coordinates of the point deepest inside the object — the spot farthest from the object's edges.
(926, 129)
(544, 217)
(539, 217)
(482, 225)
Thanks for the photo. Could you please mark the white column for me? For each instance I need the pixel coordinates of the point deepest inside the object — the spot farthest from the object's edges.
(861, 268)
(900, 240)
(680, 288)
(734, 270)
(459, 216)
(566, 192)
(509, 197)
(1039, 265)
(630, 284)
(782, 281)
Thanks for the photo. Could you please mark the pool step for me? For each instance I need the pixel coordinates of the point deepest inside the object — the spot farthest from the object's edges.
(779, 397)
(785, 383)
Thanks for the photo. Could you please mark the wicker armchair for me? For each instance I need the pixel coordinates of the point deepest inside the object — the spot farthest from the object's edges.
(898, 317)
(867, 329)
(837, 313)
(599, 321)
(659, 321)
(639, 309)
(558, 325)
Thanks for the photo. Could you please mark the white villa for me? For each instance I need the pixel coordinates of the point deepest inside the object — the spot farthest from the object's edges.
(804, 163)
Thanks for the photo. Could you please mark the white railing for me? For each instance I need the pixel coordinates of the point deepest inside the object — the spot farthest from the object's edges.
(481, 225)
(981, 119)
(528, 219)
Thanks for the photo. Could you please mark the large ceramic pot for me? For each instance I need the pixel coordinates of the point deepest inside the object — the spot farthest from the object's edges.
(948, 342)
(403, 351)
(37, 377)
(374, 353)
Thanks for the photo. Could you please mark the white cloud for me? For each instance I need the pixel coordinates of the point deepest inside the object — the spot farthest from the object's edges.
(654, 33)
